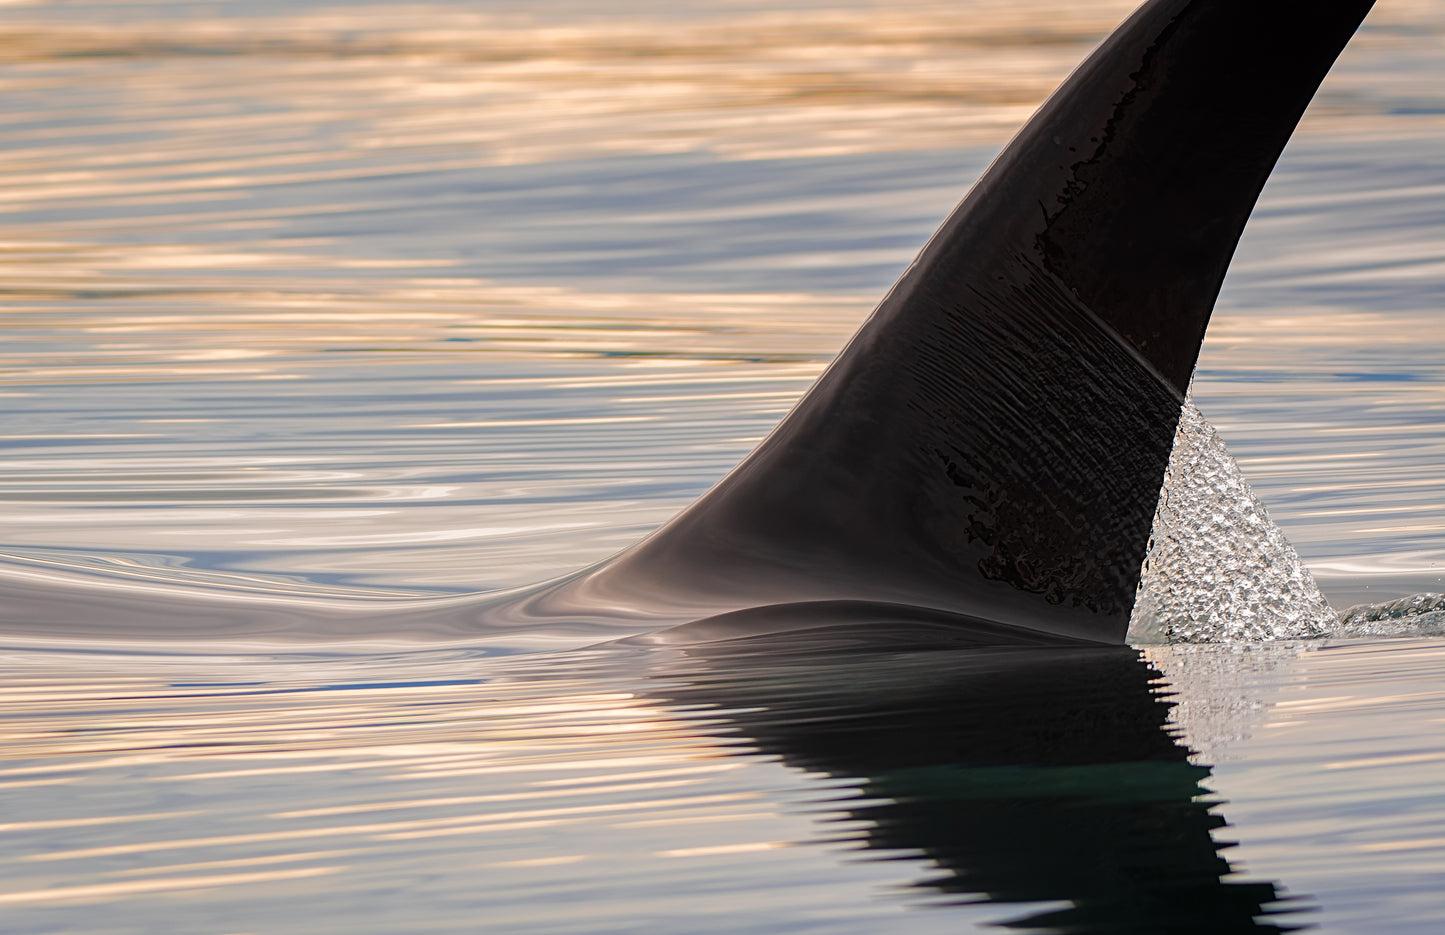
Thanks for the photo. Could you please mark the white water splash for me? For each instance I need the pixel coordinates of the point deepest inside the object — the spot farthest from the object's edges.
(1416, 615)
(1218, 569)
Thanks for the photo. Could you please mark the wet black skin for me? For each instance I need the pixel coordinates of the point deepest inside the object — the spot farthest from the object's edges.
(989, 448)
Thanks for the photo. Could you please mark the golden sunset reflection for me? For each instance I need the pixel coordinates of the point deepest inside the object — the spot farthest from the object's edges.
(466, 90)
(501, 765)
(411, 767)
(319, 316)
(518, 89)
(323, 310)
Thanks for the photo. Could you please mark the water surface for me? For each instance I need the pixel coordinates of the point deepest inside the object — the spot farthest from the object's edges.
(360, 305)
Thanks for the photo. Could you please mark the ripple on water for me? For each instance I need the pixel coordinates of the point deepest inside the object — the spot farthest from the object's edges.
(353, 305)
(311, 792)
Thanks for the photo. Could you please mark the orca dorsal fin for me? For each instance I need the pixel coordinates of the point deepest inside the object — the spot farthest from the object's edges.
(992, 442)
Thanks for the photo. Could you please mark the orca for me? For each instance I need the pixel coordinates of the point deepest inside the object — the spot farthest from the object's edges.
(982, 462)
(985, 456)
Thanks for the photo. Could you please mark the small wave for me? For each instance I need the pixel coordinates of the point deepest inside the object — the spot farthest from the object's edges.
(1416, 615)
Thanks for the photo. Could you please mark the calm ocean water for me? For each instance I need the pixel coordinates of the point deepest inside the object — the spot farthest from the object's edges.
(335, 307)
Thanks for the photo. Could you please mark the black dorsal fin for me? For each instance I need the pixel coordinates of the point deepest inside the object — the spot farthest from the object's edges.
(992, 442)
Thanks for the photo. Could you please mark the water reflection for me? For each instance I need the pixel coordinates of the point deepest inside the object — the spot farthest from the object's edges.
(420, 791)
(1049, 778)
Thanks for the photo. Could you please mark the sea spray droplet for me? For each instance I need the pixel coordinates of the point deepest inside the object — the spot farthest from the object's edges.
(1218, 569)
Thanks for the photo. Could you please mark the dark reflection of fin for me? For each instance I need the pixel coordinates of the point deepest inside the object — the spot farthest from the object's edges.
(1029, 775)
(992, 442)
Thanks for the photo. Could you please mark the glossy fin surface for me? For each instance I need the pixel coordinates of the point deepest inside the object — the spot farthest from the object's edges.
(992, 442)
